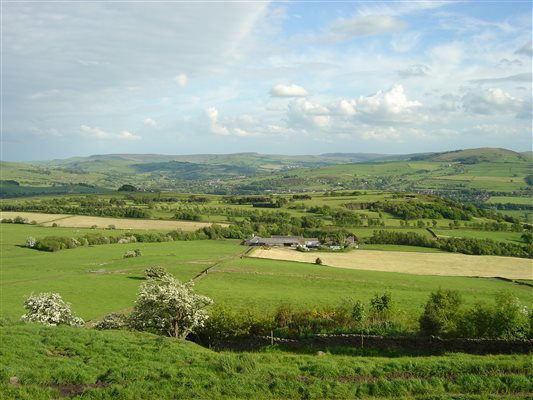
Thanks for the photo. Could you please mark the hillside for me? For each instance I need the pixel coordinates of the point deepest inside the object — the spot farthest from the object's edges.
(484, 169)
(473, 156)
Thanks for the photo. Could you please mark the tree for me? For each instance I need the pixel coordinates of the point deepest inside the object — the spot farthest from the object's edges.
(169, 307)
(127, 188)
(49, 309)
(441, 312)
(156, 272)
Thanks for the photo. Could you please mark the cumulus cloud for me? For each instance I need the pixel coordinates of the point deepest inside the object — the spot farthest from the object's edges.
(281, 90)
(415, 70)
(390, 105)
(365, 25)
(526, 49)
(214, 127)
(97, 133)
(150, 122)
(490, 102)
(181, 80)
(305, 114)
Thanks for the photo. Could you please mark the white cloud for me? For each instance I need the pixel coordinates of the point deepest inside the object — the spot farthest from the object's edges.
(150, 122)
(390, 105)
(181, 80)
(490, 102)
(214, 127)
(526, 49)
(281, 90)
(100, 134)
(358, 26)
(384, 134)
(305, 114)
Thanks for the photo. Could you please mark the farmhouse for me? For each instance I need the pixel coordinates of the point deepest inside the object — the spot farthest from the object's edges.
(282, 241)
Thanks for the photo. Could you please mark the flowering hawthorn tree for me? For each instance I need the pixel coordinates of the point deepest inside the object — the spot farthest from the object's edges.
(169, 307)
(49, 309)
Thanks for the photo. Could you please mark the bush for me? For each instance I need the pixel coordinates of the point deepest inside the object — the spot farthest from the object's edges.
(156, 272)
(49, 309)
(112, 321)
(506, 319)
(30, 242)
(169, 307)
(441, 313)
(381, 307)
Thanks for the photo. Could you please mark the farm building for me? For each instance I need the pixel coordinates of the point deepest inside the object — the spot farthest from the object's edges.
(282, 241)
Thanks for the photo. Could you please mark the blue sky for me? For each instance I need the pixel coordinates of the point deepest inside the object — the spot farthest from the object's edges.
(82, 78)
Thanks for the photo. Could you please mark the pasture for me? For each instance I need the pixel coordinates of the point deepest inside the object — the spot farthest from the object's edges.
(444, 264)
(98, 280)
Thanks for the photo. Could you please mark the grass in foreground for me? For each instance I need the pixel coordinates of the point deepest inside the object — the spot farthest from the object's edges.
(56, 362)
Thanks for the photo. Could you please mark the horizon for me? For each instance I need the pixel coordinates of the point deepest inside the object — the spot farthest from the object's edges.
(268, 154)
(295, 78)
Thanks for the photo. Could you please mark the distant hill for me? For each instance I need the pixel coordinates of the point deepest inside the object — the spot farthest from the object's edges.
(487, 169)
(474, 156)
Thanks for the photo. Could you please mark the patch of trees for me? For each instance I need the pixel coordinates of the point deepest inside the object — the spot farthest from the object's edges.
(99, 208)
(247, 199)
(454, 245)
(127, 188)
(301, 197)
(445, 315)
(188, 215)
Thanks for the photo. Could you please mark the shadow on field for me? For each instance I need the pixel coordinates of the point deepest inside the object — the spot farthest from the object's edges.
(137, 278)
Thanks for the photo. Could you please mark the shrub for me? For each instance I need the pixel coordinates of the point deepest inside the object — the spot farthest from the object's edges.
(511, 318)
(156, 272)
(112, 321)
(49, 309)
(30, 242)
(381, 307)
(506, 319)
(358, 312)
(169, 307)
(441, 313)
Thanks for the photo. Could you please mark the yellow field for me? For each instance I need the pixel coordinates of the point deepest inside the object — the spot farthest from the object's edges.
(37, 217)
(82, 221)
(410, 262)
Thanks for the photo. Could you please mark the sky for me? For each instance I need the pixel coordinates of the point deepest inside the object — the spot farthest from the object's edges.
(287, 77)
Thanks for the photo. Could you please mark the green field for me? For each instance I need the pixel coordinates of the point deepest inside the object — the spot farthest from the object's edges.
(512, 237)
(60, 362)
(97, 280)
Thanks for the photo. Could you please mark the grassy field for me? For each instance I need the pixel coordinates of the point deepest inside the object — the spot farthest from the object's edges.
(511, 237)
(98, 280)
(511, 200)
(445, 264)
(263, 284)
(52, 363)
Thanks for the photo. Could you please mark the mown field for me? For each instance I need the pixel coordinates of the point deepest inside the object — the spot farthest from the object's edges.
(83, 221)
(60, 362)
(419, 263)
